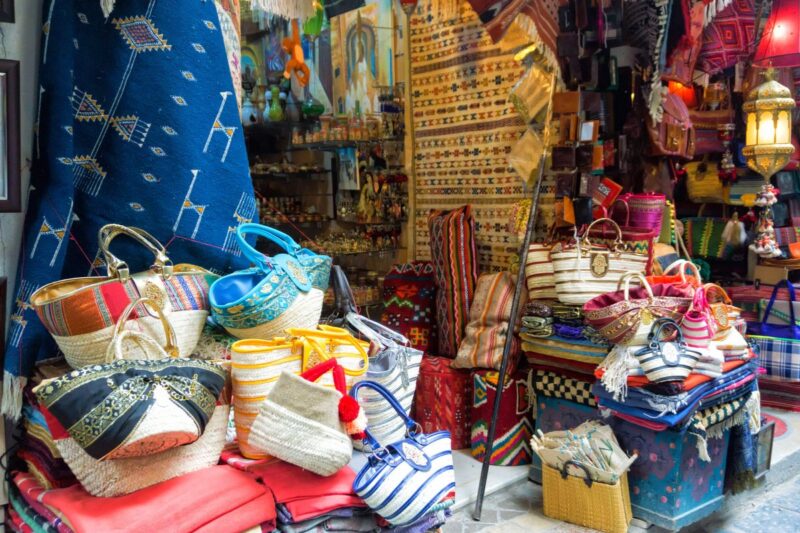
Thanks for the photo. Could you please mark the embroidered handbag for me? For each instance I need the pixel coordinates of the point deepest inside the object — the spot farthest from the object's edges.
(778, 345)
(625, 316)
(674, 135)
(262, 301)
(255, 367)
(703, 183)
(409, 478)
(539, 276)
(134, 408)
(666, 360)
(316, 266)
(81, 313)
(308, 424)
(585, 270)
(395, 366)
(680, 279)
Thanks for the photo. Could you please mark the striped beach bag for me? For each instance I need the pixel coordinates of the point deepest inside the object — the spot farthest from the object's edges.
(81, 313)
(455, 261)
(664, 360)
(514, 421)
(539, 276)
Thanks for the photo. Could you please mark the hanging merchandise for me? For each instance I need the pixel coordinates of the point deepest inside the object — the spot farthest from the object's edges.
(585, 270)
(666, 360)
(395, 366)
(703, 183)
(728, 37)
(489, 324)
(406, 479)
(288, 9)
(525, 155)
(584, 477)
(262, 301)
(307, 424)
(778, 345)
(765, 244)
(674, 135)
(296, 64)
(455, 261)
(514, 425)
(626, 315)
(681, 63)
(334, 8)
(530, 95)
(704, 237)
(409, 303)
(166, 404)
(115, 477)
(82, 313)
(711, 118)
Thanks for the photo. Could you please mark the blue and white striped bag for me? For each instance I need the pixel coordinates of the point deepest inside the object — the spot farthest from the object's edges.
(405, 480)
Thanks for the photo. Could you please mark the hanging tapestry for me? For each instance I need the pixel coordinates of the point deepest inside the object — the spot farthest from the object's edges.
(729, 39)
(135, 126)
(465, 128)
(539, 18)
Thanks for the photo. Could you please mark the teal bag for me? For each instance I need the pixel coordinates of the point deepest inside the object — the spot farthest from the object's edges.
(279, 292)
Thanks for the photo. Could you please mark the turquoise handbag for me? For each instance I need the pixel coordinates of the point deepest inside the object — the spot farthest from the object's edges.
(317, 267)
(277, 293)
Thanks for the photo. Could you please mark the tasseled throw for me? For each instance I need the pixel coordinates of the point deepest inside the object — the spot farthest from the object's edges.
(289, 9)
(616, 367)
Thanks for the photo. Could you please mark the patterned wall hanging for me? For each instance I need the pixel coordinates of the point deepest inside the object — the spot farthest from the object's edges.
(465, 128)
(135, 126)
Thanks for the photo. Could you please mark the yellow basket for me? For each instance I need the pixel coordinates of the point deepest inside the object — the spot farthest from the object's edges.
(582, 502)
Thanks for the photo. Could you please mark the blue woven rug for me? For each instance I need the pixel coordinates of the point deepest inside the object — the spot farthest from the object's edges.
(137, 124)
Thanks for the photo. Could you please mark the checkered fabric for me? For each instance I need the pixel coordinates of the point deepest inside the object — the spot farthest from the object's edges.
(557, 386)
(780, 357)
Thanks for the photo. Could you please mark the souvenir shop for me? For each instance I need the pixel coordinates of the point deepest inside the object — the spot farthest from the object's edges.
(355, 265)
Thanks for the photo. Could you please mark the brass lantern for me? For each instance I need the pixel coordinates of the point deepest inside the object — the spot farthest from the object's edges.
(768, 111)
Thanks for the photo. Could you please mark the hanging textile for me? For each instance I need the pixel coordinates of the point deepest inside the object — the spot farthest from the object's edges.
(135, 126)
(730, 38)
(465, 127)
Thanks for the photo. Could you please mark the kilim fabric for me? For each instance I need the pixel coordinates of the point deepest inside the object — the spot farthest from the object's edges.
(719, 417)
(443, 400)
(557, 386)
(456, 273)
(779, 394)
(729, 39)
(543, 15)
(514, 420)
(409, 303)
(465, 128)
(136, 126)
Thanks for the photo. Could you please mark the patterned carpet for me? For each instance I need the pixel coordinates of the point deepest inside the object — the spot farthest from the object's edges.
(465, 128)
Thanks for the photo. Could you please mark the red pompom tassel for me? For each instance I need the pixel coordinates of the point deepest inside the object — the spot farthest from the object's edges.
(348, 409)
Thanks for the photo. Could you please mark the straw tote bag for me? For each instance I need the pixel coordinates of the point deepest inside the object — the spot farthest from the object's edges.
(395, 366)
(81, 313)
(584, 270)
(262, 301)
(408, 478)
(664, 360)
(539, 276)
(131, 344)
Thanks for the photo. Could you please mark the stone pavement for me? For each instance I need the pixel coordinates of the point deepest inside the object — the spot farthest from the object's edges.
(518, 509)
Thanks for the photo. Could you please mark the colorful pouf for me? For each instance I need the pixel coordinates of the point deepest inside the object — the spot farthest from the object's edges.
(443, 400)
(512, 435)
(409, 303)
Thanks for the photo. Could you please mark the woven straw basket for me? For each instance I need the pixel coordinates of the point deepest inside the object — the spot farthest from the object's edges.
(595, 505)
(539, 273)
(117, 477)
(304, 312)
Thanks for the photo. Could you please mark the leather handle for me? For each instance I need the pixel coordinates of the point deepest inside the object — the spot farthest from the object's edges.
(119, 268)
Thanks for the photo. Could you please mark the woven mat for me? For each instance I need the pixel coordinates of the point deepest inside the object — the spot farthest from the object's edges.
(465, 128)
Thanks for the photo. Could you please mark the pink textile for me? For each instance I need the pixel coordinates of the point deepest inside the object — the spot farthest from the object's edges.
(219, 498)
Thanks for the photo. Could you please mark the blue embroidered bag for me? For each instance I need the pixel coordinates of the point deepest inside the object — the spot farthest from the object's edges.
(778, 346)
(317, 266)
(407, 479)
(262, 301)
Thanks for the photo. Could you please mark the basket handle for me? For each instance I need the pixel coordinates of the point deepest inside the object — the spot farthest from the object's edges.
(316, 372)
(147, 343)
(625, 281)
(119, 268)
(409, 423)
(790, 290)
(659, 325)
(681, 265)
(376, 331)
(311, 339)
(713, 288)
(271, 234)
(617, 241)
(564, 474)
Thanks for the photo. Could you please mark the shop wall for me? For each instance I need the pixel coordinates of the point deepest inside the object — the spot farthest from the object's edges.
(464, 129)
(20, 41)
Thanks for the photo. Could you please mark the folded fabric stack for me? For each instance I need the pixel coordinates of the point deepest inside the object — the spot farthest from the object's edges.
(192, 502)
(39, 451)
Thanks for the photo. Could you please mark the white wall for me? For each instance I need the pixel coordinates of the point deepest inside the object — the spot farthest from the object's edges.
(21, 42)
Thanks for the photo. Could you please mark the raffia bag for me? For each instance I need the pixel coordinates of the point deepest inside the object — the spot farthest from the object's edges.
(81, 313)
(539, 276)
(585, 270)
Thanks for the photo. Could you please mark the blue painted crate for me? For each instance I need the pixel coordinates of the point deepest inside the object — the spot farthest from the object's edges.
(670, 486)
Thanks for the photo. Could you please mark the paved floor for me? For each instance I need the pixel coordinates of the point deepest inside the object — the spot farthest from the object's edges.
(518, 509)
